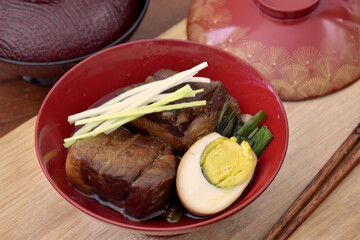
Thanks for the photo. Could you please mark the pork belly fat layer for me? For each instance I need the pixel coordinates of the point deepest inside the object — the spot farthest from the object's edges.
(151, 191)
(129, 164)
(79, 153)
(124, 168)
(181, 128)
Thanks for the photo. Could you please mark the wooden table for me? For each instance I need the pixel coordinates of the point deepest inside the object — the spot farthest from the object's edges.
(31, 209)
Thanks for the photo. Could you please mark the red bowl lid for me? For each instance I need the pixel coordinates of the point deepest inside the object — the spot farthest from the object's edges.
(305, 48)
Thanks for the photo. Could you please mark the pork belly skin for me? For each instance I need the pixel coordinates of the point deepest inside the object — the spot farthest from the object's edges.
(181, 128)
(129, 170)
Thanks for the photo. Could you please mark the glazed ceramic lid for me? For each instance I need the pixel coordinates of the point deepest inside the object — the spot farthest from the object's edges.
(305, 48)
(44, 31)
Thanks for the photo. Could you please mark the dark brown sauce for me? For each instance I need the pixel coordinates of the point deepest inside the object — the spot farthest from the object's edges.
(122, 211)
(160, 214)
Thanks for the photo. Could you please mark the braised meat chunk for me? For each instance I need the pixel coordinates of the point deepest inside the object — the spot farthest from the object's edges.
(181, 128)
(129, 170)
(135, 169)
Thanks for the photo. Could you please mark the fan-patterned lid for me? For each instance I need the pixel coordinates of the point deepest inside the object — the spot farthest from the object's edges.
(305, 49)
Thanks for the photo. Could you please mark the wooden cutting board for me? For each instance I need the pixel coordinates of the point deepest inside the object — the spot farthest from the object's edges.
(31, 209)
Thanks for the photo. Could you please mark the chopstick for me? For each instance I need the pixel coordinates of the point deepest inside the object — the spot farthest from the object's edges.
(346, 157)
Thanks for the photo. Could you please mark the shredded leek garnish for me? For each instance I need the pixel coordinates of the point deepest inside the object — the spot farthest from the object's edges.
(141, 111)
(137, 102)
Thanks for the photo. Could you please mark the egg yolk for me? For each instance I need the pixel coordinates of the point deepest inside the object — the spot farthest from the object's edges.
(225, 163)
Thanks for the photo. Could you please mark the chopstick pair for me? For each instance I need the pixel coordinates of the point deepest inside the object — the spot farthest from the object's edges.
(346, 157)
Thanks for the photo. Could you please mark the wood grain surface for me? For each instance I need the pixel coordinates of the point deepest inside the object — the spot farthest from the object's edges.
(345, 158)
(31, 209)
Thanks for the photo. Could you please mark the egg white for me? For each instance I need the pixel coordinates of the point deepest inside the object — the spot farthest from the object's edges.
(197, 194)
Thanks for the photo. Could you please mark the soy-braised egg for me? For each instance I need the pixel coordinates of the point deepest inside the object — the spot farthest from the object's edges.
(213, 173)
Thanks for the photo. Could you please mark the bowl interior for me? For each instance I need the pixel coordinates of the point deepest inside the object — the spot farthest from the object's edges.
(131, 63)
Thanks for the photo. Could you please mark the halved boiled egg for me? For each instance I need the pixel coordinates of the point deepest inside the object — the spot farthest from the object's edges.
(213, 173)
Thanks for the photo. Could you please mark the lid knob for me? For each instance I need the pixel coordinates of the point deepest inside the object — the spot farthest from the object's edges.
(287, 9)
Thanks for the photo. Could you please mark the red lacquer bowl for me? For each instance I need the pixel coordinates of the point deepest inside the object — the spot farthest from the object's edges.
(130, 63)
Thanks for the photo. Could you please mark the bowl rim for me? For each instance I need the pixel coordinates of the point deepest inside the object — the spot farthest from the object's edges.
(171, 228)
(128, 32)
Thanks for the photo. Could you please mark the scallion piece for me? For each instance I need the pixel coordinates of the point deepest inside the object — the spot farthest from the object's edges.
(252, 134)
(228, 121)
(258, 138)
(174, 212)
(261, 139)
(250, 125)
